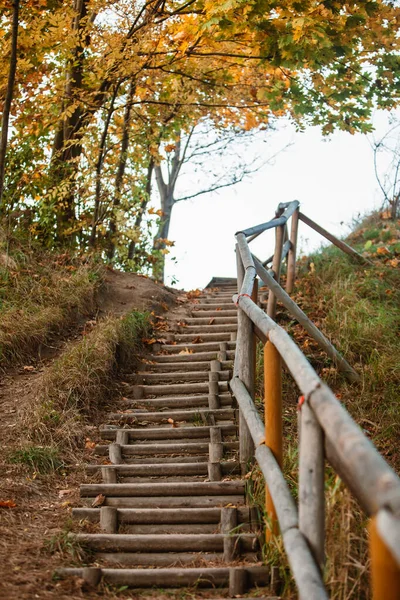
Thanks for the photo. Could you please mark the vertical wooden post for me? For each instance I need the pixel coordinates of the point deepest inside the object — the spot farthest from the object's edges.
(385, 572)
(244, 369)
(273, 419)
(254, 297)
(291, 264)
(276, 267)
(311, 484)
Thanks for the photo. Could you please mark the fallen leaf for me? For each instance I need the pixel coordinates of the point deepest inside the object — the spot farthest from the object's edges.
(29, 368)
(63, 493)
(172, 422)
(186, 351)
(197, 340)
(89, 445)
(99, 500)
(211, 321)
(7, 504)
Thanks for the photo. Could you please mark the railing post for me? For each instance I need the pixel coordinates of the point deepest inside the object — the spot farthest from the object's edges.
(385, 572)
(311, 483)
(273, 420)
(291, 264)
(276, 267)
(244, 369)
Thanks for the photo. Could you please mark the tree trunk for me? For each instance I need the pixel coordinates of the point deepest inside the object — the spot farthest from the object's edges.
(99, 167)
(166, 191)
(142, 208)
(9, 96)
(112, 229)
(67, 146)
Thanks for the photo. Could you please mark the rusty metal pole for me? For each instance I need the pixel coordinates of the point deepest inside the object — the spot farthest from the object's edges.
(385, 572)
(273, 420)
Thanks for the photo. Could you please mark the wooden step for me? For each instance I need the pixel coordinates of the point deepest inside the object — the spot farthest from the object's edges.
(165, 516)
(162, 469)
(172, 578)
(121, 542)
(145, 377)
(168, 402)
(197, 348)
(177, 388)
(190, 357)
(170, 501)
(199, 329)
(203, 337)
(153, 449)
(191, 366)
(206, 306)
(177, 415)
(213, 488)
(171, 433)
(198, 314)
(215, 320)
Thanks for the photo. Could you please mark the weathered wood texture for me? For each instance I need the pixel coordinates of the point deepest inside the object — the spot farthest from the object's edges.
(291, 264)
(311, 484)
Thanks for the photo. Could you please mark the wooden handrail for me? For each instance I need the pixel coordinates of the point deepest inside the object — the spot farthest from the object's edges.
(326, 430)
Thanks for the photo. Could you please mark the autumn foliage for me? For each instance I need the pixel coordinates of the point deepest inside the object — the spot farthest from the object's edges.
(102, 85)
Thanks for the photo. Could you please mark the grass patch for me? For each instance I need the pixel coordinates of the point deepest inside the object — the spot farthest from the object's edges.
(42, 295)
(76, 385)
(39, 459)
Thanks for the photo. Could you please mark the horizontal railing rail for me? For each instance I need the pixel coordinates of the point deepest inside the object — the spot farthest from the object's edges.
(326, 428)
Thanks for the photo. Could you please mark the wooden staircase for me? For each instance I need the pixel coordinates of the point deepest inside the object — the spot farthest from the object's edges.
(172, 500)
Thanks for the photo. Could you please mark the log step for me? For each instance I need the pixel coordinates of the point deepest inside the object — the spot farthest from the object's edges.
(203, 337)
(206, 306)
(199, 328)
(187, 366)
(172, 578)
(167, 559)
(199, 314)
(176, 415)
(145, 391)
(144, 377)
(91, 490)
(168, 402)
(171, 501)
(165, 516)
(190, 357)
(222, 320)
(197, 348)
(175, 449)
(161, 434)
(162, 469)
(248, 542)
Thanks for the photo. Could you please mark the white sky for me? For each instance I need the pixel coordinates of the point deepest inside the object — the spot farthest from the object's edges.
(333, 178)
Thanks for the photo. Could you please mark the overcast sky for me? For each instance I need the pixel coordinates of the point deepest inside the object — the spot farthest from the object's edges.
(333, 178)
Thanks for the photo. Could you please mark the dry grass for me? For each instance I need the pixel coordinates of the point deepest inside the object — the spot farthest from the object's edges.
(358, 308)
(42, 296)
(74, 388)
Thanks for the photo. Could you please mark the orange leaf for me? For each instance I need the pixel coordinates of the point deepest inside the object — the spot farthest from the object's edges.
(99, 500)
(7, 504)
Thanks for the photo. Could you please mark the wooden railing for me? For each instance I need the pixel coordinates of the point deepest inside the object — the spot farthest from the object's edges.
(326, 429)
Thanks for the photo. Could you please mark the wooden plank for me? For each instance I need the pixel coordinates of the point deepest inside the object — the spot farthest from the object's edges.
(249, 410)
(198, 488)
(305, 570)
(291, 264)
(244, 369)
(312, 484)
(276, 268)
(339, 243)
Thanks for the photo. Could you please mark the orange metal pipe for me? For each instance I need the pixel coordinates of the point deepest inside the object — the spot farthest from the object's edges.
(273, 420)
(385, 572)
